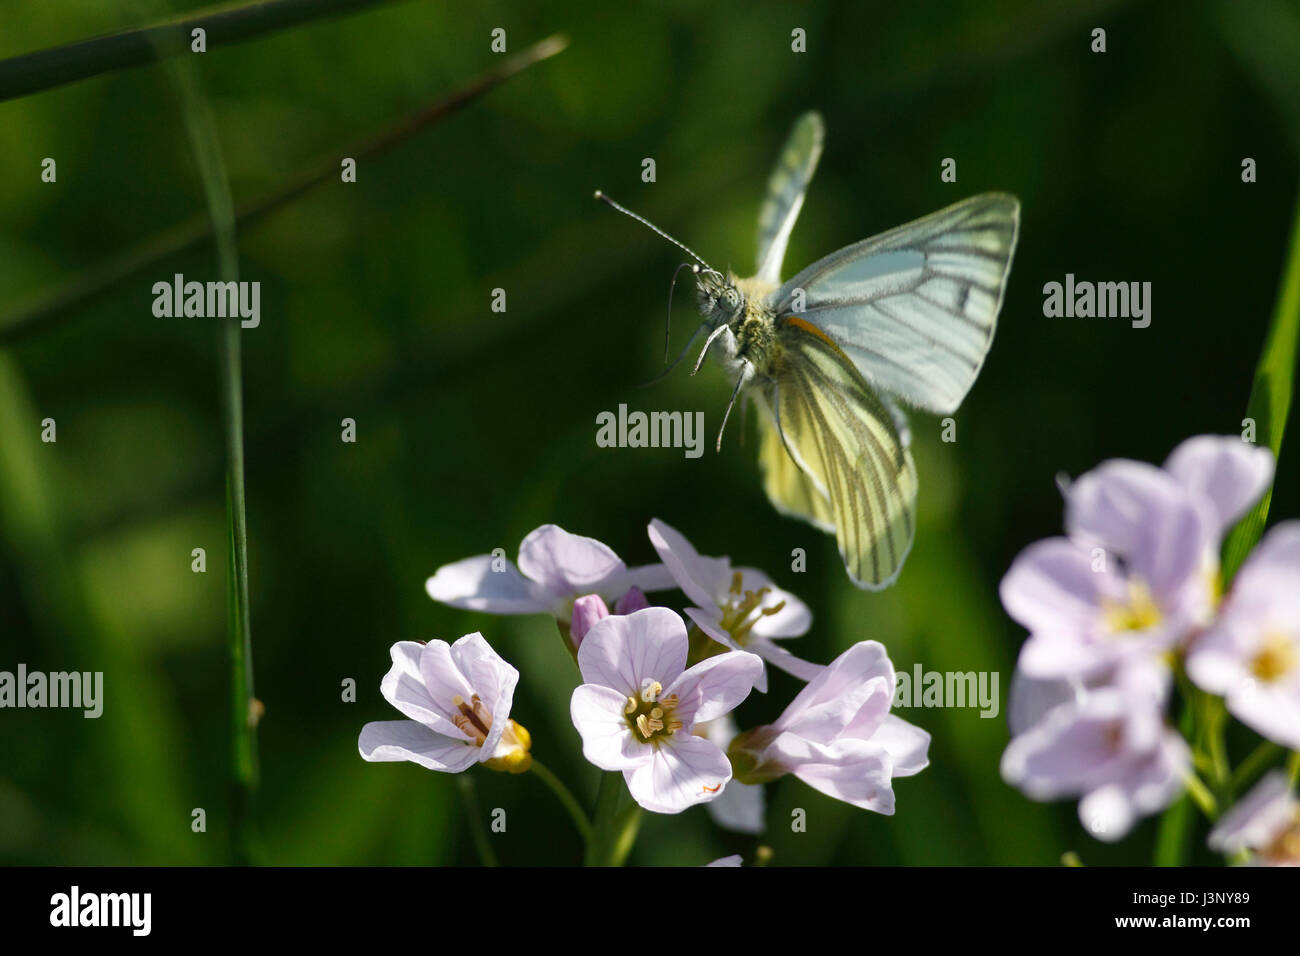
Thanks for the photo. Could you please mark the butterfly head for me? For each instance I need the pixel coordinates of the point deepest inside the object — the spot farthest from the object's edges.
(720, 302)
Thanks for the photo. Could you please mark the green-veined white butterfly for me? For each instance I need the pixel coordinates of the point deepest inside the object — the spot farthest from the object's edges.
(904, 317)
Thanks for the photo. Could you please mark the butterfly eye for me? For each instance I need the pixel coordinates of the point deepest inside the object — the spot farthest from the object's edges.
(732, 298)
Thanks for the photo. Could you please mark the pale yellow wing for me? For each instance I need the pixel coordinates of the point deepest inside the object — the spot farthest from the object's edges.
(854, 470)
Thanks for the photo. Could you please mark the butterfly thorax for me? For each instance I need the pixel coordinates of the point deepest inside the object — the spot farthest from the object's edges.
(742, 305)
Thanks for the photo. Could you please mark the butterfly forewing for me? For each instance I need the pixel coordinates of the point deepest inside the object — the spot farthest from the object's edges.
(915, 308)
(844, 439)
(785, 192)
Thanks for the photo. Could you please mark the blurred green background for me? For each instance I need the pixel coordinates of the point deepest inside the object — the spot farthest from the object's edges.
(475, 427)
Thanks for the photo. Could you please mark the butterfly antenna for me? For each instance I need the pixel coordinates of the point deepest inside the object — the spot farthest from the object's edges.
(669, 321)
(744, 374)
(650, 225)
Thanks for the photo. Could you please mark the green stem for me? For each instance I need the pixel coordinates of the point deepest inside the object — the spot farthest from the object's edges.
(474, 812)
(1174, 834)
(1215, 725)
(1293, 769)
(1251, 767)
(616, 822)
(1201, 795)
(45, 69)
(565, 796)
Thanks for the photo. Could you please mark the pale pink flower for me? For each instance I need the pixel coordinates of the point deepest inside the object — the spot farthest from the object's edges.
(1251, 654)
(1137, 574)
(458, 700)
(638, 707)
(1264, 824)
(838, 735)
(1109, 745)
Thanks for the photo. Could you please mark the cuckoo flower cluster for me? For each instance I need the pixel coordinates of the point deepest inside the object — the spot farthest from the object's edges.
(1127, 604)
(657, 690)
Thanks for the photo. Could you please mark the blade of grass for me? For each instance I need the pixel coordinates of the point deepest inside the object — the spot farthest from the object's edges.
(47, 309)
(1270, 396)
(206, 147)
(223, 25)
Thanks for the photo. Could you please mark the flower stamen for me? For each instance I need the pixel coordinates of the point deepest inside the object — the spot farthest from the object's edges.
(474, 720)
(650, 716)
(1138, 612)
(1276, 658)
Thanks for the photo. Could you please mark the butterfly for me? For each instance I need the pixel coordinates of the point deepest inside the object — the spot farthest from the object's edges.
(833, 354)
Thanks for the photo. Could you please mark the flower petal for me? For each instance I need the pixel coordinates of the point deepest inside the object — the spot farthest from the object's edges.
(565, 564)
(622, 652)
(704, 580)
(607, 741)
(832, 699)
(491, 678)
(1257, 818)
(684, 771)
(474, 585)
(386, 740)
(1052, 587)
(856, 771)
(715, 686)
(405, 687)
(1229, 473)
(908, 745)
(740, 807)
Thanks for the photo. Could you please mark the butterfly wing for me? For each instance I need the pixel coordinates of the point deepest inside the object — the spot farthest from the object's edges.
(915, 308)
(789, 489)
(843, 462)
(785, 192)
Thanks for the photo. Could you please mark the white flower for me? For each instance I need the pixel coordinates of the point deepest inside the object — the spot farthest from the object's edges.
(458, 700)
(1108, 744)
(1265, 823)
(1251, 654)
(739, 608)
(639, 705)
(1137, 573)
(838, 735)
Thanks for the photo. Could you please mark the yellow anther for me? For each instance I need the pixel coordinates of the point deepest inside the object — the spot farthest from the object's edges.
(630, 707)
(1275, 659)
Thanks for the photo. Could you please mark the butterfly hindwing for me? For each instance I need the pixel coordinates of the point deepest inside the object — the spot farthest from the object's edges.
(916, 307)
(843, 439)
(785, 192)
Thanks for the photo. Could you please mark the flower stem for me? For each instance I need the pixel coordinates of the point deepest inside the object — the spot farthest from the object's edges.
(477, 830)
(565, 796)
(615, 826)
(1293, 768)
(1250, 768)
(1200, 793)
